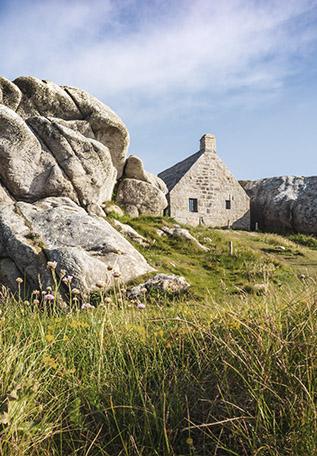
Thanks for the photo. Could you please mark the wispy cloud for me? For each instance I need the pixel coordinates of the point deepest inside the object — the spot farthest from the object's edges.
(130, 49)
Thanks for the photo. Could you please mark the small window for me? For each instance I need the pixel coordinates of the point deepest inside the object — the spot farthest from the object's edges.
(193, 205)
(228, 204)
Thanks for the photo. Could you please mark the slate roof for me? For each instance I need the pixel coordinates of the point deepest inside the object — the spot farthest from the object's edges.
(173, 175)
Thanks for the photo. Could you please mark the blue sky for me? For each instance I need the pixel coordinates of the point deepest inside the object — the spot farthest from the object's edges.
(173, 70)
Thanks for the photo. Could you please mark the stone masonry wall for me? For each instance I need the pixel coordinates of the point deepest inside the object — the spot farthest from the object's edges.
(211, 183)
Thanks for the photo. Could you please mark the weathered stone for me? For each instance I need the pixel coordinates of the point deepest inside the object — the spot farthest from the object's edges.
(57, 229)
(131, 210)
(27, 171)
(169, 230)
(157, 182)
(4, 195)
(61, 153)
(130, 232)
(22, 245)
(138, 197)
(112, 208)
(9, 273)
(284, 204)
(130, 193)
(134, 169)
(182, 233)
(83, 113)
(107, 127)
(168, 283)
(160, 232)
(44, 98)
(79, 126)
(10, 95)
(86, 162)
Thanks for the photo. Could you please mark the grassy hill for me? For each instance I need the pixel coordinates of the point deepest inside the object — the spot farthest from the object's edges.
(227, 369)
(257, 258)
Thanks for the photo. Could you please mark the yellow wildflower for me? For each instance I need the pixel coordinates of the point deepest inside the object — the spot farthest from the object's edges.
(49, 338)
(49, 361)
(77, 324)
(233, 324)
(159, 333)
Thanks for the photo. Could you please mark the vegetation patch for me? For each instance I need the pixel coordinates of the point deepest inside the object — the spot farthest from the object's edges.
(188, 379)
(228, 368)
(303, 239)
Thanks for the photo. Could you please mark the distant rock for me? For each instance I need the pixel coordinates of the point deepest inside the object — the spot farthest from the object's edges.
(134, 169)
(167, 283)
(284, 204)
(110, 208)
(182, 233)
(130, 232)
(138, 197)
(140, 192)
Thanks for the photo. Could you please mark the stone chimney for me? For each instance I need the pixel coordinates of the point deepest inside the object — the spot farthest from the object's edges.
(208, 143)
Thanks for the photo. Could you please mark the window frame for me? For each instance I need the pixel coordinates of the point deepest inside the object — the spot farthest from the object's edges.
(193, 205)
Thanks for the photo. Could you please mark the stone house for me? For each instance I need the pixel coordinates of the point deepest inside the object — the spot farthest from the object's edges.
(201, 190)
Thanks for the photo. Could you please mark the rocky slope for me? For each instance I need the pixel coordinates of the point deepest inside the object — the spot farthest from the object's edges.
(62, 153)
(284, 203)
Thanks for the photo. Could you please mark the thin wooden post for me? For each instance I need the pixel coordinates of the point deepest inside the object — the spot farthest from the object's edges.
(230, 248)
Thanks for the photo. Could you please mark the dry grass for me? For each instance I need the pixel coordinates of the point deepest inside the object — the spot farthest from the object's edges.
(221, 371)
(192, 379)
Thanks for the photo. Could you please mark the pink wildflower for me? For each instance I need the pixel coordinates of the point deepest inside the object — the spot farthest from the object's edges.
(87, 305)
(49, 297)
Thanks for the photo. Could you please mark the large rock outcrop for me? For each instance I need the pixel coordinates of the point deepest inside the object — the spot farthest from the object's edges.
(61, 154)
(57, 229)
(58, 141)
(284, 204)
(79, 110)
(140, 192)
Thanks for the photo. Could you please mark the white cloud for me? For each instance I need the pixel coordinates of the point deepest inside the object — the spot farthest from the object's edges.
(123, 48)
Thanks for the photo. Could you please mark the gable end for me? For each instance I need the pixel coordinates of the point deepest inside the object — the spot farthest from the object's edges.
(173, 175)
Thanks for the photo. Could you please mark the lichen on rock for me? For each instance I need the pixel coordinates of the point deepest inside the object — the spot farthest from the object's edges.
(62, 152)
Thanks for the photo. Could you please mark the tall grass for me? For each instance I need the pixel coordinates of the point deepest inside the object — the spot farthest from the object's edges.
(190, 378)
(304, 239)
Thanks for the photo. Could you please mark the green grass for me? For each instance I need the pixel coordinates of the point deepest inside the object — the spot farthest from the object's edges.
(303, 239)
(213, 274)
(222, 370)
(238, 380)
